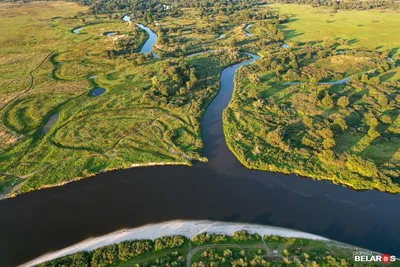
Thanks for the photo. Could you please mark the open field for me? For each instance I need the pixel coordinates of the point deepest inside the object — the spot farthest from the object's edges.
(373, 29)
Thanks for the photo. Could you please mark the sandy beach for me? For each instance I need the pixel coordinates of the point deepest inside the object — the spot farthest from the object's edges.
(176, 227)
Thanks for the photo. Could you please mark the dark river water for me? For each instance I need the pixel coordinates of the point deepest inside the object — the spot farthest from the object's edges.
(39, 222)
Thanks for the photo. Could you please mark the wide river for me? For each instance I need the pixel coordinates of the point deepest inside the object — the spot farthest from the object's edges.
(50, 219)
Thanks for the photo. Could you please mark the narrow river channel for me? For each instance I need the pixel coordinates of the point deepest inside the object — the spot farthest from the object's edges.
(222, 189)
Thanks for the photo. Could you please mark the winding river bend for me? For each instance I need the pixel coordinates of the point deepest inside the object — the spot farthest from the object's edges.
(148, 45)
(222, 189)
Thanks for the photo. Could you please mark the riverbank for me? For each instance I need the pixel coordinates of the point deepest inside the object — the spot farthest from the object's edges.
(177, 227)
(87, 139)
(133, 165)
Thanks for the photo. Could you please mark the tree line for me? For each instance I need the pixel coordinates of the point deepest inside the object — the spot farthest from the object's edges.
(112, 254)
(346, 5)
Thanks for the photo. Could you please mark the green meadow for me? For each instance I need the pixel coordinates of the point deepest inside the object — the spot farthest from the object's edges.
(150, 112)
(373, 29)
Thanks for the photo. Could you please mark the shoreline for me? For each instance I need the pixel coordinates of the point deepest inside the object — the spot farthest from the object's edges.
(308, 176)
(133, 165)
(185, 228)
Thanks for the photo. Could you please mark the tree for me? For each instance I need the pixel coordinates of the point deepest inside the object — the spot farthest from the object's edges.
(359, 165)
(233, 42)
(343, 101)
(364, 78)
(375, 80)
(275, 139)
(382, 100)
(328, 143)
(168, 242)
(341, 123)
(192, 77)
(130, 249)
(386, 119)
(327, 101)
(105, 256)
(278, 69)
(293, 64)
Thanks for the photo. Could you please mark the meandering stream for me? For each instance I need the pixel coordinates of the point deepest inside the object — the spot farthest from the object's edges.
(246, 32)
(221, 189)
(148, 45)
(78, 29)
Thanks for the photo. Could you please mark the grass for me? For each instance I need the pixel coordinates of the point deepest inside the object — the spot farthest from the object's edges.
(298, 116)
(373, 29)
(45, 70)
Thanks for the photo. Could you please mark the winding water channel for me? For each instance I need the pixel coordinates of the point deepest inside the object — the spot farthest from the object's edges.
(222, 189)
(148, 45)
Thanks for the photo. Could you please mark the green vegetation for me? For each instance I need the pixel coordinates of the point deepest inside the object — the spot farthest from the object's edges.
(326, 108)
(373, 29)
(242, 249)
(347, 4)
(123, 253)
(149, 114)
(282, 117)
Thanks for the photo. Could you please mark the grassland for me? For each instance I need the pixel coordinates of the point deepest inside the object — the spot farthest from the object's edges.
(47, 69)
(283, 117)
(372, 29)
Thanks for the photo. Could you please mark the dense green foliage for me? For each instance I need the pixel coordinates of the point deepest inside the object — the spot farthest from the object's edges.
(204, 238)
(349, 5)
(168, 242)
(295, 121)
(206, 249)
(119, 253)
(79, 259)
(244, 235)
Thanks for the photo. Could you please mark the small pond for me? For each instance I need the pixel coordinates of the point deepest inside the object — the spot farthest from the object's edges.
(50, 123)
(97, 91)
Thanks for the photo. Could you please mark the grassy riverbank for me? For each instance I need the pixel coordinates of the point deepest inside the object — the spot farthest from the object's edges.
(289, 115)
(346, 133)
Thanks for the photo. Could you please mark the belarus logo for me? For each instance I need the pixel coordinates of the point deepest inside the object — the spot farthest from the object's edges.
(368, 256)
